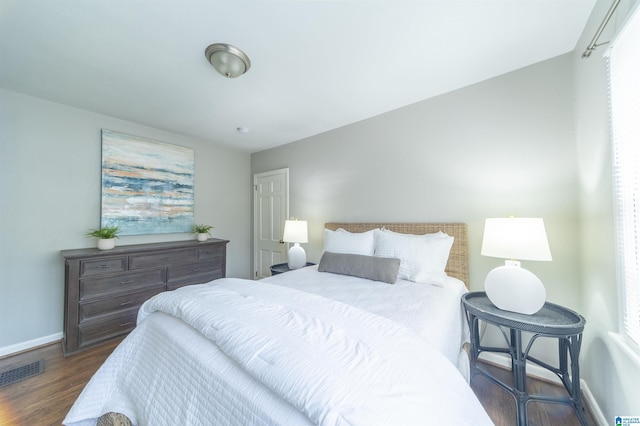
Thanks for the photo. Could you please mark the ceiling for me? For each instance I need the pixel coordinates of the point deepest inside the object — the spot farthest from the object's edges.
(316, 65)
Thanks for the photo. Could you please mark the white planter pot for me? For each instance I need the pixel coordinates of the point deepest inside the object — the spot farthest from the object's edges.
(203, 236)
(106, 243)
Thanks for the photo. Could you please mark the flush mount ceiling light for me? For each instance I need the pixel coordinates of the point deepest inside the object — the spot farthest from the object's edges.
(228, 60)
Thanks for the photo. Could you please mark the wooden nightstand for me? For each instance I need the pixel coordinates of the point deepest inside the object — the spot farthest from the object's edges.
(552, 321)
(280, 268)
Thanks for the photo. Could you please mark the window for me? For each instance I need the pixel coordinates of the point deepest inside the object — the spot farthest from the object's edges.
(624, 95)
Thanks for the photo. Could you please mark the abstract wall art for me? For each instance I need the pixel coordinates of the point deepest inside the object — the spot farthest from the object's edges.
(147, 186)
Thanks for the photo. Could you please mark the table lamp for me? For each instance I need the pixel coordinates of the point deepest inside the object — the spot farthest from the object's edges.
(295, 231)
(511, 287)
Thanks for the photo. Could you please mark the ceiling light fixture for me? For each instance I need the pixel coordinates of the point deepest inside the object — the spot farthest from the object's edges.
(228, 60)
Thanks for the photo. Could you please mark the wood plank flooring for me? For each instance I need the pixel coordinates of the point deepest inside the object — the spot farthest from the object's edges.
(501, 406)
(45, 399)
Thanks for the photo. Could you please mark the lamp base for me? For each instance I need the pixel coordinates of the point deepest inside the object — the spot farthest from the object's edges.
(297, 257)
(515, 289)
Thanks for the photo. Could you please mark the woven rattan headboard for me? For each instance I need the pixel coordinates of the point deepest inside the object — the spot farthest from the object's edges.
(458, 264)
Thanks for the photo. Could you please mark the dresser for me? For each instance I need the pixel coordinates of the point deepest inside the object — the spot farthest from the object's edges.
(105, 288)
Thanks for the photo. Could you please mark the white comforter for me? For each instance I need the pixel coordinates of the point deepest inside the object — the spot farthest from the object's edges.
(431, 311)
(333, 362)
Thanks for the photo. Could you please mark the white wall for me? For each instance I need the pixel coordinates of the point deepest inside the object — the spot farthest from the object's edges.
(498, 147)
(50, 159)
(612, 375)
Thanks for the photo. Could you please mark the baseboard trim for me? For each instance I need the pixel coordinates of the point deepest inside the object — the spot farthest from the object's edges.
(30, 344)
(541, 373)
(590, 401)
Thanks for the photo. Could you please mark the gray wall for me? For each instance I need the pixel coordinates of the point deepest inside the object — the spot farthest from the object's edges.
(50, 196)
(611, 373)
(502, 146)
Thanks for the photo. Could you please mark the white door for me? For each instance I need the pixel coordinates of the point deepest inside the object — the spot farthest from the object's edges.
(270, 210)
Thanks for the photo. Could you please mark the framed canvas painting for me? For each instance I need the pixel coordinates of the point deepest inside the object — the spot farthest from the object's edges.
(147, 186)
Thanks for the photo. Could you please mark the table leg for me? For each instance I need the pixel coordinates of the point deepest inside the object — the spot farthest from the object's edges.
(563, 346)
(518, 363)
(574, 352)
(475, 342)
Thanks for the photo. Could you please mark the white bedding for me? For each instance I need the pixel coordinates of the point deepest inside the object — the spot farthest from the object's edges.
(431, 311)
(166, 372)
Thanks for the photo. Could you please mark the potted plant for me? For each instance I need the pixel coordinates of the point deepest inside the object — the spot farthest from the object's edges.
(106, 236)
(202, 231)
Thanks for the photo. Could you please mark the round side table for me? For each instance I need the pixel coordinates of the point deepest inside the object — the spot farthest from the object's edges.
(552, 321)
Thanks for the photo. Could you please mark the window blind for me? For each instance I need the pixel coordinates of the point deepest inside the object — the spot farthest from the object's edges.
(624, 97)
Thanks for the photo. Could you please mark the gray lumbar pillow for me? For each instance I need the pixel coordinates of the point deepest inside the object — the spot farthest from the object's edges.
(374, 268)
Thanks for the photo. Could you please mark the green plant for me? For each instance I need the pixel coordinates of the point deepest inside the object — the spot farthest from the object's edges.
(105, 232)
(202, 229)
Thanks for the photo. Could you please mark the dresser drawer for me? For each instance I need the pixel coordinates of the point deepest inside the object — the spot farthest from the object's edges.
(101, 266)
(169, 257)
(126, 282)
(114, 325)
(103, 306)
(195, 273)
(211, 252)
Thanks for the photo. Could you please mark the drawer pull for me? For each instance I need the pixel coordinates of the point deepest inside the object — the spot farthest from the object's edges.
(124, 324)
(128, 302)
(103, 266)
(126, 282)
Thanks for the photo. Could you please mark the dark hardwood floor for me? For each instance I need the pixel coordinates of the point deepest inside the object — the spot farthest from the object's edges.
(501, 407)
(45, 399)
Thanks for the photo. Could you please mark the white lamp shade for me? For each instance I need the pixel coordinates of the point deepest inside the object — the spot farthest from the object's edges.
(515, 238)
(295, 231)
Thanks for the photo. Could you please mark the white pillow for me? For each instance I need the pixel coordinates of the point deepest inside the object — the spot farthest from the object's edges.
(341, 241)
(423, 258)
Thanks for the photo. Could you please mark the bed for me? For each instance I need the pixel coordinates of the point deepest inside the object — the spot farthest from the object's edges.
(363, 337)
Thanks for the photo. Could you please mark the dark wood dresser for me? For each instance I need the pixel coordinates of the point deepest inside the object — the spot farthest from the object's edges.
(105, 288)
